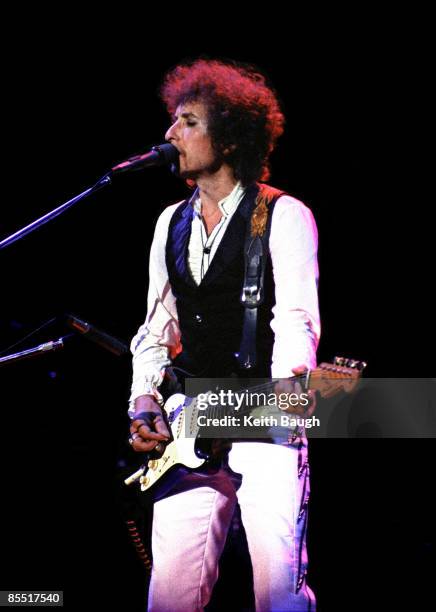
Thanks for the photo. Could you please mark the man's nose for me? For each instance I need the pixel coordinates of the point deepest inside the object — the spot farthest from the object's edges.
(171, 133)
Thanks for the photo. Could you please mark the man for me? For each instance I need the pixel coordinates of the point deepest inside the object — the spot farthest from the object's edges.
(226, 121)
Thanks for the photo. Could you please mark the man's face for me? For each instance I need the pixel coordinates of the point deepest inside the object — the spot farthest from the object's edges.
(189, 135)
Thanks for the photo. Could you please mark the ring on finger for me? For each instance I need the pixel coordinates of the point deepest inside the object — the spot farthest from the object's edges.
(133, 437)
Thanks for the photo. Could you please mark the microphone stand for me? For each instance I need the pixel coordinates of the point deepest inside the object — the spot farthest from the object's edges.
(106, 341)
(158, 156)
(41, 349)
(102, 182)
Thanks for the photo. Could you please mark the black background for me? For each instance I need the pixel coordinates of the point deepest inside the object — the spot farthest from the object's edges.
(80, 100)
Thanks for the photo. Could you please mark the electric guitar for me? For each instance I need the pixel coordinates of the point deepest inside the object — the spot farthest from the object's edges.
(186, 452)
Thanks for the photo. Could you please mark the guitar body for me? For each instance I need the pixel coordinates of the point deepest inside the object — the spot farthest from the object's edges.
(181, 454)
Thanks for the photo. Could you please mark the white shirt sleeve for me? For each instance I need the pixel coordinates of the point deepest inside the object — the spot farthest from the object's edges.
(296, 321)
(158, 338)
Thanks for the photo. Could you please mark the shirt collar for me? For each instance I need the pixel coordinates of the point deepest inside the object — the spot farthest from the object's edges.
(227, 205)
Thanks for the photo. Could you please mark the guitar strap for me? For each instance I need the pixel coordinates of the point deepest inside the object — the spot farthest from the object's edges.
(256, 251)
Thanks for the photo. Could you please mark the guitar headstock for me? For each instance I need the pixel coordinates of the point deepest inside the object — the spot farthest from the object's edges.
(341, 375)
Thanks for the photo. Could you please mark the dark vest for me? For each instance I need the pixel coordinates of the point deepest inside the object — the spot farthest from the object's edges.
(210, 314)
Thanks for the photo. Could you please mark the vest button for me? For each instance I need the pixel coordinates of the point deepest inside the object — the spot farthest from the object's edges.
(198, 318)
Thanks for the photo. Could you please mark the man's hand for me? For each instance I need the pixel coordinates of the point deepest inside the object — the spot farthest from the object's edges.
(148, 426)
(292, 389)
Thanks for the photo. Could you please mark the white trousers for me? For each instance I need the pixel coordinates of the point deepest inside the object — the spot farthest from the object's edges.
(190, 528)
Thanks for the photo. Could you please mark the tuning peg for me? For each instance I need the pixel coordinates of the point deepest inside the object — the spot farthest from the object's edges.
(350, 363)
(339, 361)
(357, 365)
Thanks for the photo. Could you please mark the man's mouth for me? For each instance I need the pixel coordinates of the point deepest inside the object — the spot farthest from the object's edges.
(180, 152)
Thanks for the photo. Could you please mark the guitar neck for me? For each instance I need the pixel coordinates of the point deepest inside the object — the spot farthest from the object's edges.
(328, 379)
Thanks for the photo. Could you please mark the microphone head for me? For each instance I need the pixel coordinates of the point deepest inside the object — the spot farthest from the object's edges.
(168, 153)
(160, 155)
(169, 156)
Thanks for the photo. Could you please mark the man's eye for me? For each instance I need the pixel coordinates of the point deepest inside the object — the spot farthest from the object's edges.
(191, 123)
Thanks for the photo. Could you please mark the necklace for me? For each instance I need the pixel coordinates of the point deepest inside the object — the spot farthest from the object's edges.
(207, 249)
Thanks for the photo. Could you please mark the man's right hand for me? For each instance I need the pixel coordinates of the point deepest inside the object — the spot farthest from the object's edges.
(148, 426)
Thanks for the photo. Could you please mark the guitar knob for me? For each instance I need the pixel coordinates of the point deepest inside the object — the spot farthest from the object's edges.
(152, 464)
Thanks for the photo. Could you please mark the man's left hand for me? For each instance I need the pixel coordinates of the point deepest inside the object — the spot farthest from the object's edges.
(292, 388)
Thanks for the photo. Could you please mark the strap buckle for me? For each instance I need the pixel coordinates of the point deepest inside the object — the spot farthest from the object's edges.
(251, 295)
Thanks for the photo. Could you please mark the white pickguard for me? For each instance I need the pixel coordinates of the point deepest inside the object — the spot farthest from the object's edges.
(181, 450)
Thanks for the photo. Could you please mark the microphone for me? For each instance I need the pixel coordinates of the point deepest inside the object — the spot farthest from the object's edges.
(96, 335)
(160, 155)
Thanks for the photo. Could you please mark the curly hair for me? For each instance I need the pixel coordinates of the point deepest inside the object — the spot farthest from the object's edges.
(244, 115)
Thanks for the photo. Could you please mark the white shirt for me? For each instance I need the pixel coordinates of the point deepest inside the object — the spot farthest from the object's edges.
(198, 262)
(296, 325)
